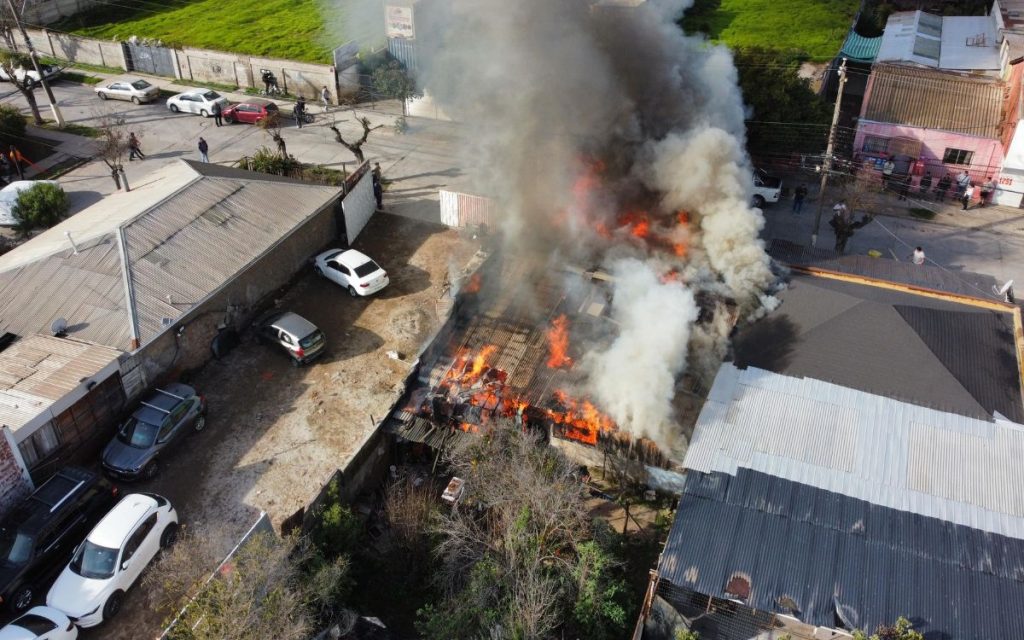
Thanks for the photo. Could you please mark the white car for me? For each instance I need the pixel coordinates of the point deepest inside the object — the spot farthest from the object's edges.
(40, 623)
(9, 195)
(353, 270)
(111, 558)
(197, 101)
(49, 72)
(138, 91)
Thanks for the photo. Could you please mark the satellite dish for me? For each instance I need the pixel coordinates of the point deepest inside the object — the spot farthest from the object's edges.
(59, 327)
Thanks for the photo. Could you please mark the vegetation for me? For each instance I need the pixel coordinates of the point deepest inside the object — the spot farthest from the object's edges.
(39, 207)
(12, 125)
(9, 62)
(113, 145)
(902, 630)
(77, 129)
(392, 81)
(80, 78)
(686, 634)
(814, 28)
(290, 29)
(355, 146)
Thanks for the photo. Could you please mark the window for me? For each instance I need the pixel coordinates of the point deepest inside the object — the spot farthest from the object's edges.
(135, 541)
(876, 144)
(40, 444)
(957, 156)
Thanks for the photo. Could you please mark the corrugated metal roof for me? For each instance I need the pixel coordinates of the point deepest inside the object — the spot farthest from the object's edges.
(821, 549)
(934, 100)
(860, 49)
(955, 43)
(38, 370)
(864, 446)
(209, 231)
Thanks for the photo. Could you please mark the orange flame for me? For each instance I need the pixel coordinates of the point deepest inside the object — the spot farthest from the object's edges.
(679, 249)
(581, 420)
(558, 344)
(638, 222)
(473, 285)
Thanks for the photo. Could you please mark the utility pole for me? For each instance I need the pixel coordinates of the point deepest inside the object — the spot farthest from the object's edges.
(826, 168)
(35, 63)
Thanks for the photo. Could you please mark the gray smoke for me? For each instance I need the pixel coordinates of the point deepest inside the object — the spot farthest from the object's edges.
(579, 113)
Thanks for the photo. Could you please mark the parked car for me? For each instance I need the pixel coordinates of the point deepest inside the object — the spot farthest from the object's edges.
(299, 337)
(251, 112)
(49, 72)
(138, 91)
(111, 558)
(353, 270)
(767, 189)
(9, 195)
(38, 536)
(197, 101)
(161, 421)
(40, 623)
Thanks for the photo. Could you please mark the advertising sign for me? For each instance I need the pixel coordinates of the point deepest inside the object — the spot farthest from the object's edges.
(399, 22)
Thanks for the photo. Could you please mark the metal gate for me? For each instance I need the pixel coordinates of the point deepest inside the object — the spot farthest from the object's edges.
(158, 61)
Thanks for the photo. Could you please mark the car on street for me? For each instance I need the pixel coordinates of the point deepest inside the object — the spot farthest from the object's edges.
(251, 112)
(38, 536)
(20, 73)
(9, 195)
(138, 91)
(353, 270)
(767, 189)
(161, 421)
(40, 623)
(107, 563)
(197, 101)
(298, 337)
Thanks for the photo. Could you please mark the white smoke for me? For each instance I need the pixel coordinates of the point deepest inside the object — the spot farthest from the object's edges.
(634, 378)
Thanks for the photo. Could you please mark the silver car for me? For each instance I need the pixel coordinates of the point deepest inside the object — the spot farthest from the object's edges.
(138, 91)
(299, 337)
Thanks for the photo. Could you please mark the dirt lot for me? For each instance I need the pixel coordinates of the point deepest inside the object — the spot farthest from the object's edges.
(276, 433)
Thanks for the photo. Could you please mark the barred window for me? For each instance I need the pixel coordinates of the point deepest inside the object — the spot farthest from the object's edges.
(957, 156)
(876, 144)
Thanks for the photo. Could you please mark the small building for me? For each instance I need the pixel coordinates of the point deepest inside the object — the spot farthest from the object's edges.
(968, 44)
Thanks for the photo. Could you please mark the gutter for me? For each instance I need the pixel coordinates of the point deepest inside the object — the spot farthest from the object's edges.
(129, 296)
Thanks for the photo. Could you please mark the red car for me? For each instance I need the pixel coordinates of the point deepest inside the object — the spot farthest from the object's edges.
(251, 112)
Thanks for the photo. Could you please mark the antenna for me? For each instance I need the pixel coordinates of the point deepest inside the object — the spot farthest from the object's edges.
(1006, 291)
(67, 234)
(59, 327)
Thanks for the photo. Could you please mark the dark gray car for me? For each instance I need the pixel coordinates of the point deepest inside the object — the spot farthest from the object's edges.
(161, 421)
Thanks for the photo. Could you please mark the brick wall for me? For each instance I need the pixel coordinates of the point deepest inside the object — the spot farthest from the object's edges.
(14, 485)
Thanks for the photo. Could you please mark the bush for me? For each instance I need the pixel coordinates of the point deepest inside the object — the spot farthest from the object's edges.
(39, 207)
(335, 530)
(267, 161)
(12, 125)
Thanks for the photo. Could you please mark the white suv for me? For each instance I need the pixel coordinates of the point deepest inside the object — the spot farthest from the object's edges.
(91, 588)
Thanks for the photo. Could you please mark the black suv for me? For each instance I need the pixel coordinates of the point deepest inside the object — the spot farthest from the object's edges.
(38, 537)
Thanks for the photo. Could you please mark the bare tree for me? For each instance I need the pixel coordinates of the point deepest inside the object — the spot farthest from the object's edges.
(270, 588)
(356, 147)
(11, 63)
(113, 144)
(272, 126)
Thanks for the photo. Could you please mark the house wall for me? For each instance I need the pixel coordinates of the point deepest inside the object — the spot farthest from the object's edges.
(988, 152)
(1011, 177)
(15, 483)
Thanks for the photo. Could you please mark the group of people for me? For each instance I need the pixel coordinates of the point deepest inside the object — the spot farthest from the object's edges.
(964, 189)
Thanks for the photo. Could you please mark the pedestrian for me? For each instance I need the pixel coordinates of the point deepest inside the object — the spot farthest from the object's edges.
(918, 256)
(299, 111)
(14, 156)
(962, 182)
(841, 211)
(926, 185)
(798, 198)
(887, 168)
(325, 98)
(988, 189)
(377, 175)
(217, 120)
(378, 190)
(941, 189)
(965, 199)
(904, 186)
(204, 150)
(268, 80)
(134, 148)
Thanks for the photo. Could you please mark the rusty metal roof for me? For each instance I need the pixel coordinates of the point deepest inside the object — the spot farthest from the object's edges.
(929, 99)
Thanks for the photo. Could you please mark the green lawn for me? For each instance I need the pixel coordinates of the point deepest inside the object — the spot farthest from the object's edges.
(815, 27)
(290, 29)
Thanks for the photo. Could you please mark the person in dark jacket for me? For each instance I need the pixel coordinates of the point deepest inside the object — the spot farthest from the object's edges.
(945, 182)
(217, 120)
(204, 150)
(299, 111)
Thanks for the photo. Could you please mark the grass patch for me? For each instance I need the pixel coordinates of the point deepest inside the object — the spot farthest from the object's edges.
(80, 78)
(921, 212)
(75, 129)
(815, 27)
(291, 29)
(95, 68)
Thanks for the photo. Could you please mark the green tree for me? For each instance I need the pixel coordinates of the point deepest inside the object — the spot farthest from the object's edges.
(902, 630)
(391, 80)
(40, 207)
(786, 115)
(686, 634)
(12, 124)
(11, 62)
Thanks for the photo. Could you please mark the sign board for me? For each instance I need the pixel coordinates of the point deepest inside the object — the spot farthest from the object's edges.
(398, 22)
(346, 55)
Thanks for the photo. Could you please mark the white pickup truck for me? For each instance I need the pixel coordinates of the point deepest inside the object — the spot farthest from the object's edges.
(767, 189)
(49, 72)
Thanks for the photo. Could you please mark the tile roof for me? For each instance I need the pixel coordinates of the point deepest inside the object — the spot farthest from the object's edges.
(36, 371)
(860, 49)
(890, 453)
(934, 353)
(830, 553)
(934, 100)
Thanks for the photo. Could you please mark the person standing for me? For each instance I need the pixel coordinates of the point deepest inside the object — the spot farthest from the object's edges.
(299, 111)
(798, 198)
(965, 199)
(204, 150)
(988, 189)
(325, 99)
(926, 185)
(945, 182)
(903, 186)
(134, 148)
(887, 168)
(962, 182)
(918, 256)
(217, 120)
(378, 188)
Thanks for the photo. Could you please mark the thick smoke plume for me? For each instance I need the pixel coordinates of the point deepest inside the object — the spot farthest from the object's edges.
(603, 132)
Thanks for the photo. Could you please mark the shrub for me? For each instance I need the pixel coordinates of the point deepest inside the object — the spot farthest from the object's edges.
(39, 207)
(336, 530)
(12, 124)
(267, 161)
